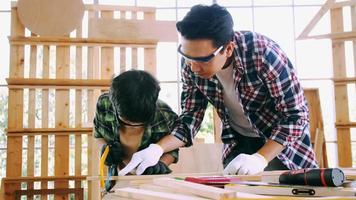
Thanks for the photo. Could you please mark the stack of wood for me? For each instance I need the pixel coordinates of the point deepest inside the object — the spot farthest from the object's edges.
(177, 186)
(169, 188)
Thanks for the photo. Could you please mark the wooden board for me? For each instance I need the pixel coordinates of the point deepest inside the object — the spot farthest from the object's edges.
(194, 188)
(340, 91)
(149, 194)
(164, 31)
(316, 126)
(207, 158)
(15, 104)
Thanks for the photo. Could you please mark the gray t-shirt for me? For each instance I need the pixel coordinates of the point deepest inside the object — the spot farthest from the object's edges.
(238, 120)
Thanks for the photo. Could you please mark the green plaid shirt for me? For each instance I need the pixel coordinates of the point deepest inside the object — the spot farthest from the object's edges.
(106, 125)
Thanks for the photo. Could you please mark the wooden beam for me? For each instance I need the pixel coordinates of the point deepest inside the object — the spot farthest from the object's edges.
(41, 178)
(132, 30)
(66, 41)
(143, 194)
(315, 19)
(96, 7)
(345, 125)
(342, 81)
(195, 188)
(59, 82)
(77, 191)
(340, 91)
(49, 130)
(343, 4)
(341, 36)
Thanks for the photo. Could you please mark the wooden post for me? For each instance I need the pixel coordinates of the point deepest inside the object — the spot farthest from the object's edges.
(78, 113)
(150, 53)
(45, 110)
(15, 104)
(341, 96)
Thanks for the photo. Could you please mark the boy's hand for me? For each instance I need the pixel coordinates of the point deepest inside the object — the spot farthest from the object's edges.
(143, 159)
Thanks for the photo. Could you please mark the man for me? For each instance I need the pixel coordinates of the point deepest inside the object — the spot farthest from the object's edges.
(130, 118)
(253, 86)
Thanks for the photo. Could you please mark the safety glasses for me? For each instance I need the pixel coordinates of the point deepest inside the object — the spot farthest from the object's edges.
(200, 59)
(126, 123)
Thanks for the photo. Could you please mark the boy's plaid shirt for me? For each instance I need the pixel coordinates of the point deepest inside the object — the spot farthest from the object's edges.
(106, 125)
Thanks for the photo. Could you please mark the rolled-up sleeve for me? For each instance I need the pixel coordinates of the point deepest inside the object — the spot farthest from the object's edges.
(193, 105)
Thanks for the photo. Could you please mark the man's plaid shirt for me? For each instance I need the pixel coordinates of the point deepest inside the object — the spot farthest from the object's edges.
(106, 125)
(270, 93)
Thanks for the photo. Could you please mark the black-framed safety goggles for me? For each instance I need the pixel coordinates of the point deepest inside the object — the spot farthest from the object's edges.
(129, 124)
(199, 59)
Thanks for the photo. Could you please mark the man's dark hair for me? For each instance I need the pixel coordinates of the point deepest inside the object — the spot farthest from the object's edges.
(207, 22)
(134, 94)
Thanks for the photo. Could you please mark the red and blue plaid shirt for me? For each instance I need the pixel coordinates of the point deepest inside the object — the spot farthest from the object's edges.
(271, 97)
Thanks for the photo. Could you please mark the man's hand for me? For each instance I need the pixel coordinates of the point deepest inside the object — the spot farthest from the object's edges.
(245, 164)
(143, 159)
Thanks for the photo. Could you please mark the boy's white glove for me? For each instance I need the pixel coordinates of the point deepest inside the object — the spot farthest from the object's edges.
(245, 164)
(143, 159)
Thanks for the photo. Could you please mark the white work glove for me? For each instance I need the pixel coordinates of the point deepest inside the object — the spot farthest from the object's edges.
(245, 164)
(143, 159)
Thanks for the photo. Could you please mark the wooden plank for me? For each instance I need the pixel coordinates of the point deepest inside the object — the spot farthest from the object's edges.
(45, 111)
(343, 4)
(150, 59)
(353, 25)
(122, 59)
(15, 104)
(98, 7)
(93, 60)
(42, 178)
(107, 54)
(340, 36)
(194, 188)
(134, 62)
(77, 191)
(91, 42)
(78, 113)
(50, 130)
(217, 127)
(164, 31)
(340, 91)
(316, 126)
(316, 19)
(157, 188)
(343, 81)
(149, 194)
(61, 167)
(201, 163)
(57, 87)
(59, 82)
(345, 125)
(31, 117)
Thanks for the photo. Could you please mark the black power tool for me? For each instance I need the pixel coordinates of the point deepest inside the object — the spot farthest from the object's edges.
(329, 177)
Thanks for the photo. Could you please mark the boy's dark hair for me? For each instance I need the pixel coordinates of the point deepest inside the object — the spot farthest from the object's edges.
(134, 94)
(207, 22)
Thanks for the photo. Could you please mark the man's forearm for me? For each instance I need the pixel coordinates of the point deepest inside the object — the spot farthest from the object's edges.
(169, 143)
(270, 150)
